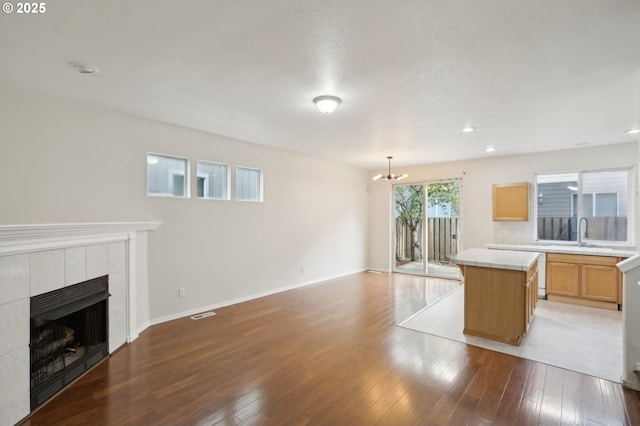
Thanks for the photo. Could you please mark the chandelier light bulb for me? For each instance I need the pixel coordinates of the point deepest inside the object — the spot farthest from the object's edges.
(390, 176)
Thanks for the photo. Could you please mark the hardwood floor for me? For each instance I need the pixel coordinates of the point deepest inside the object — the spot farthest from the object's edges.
(329, 354)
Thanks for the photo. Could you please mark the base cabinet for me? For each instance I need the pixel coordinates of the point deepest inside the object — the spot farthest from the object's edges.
(499, 303)
(563, 278)
(600, 283)
(585, 280)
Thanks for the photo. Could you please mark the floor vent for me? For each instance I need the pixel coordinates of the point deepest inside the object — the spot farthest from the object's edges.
(203, 315)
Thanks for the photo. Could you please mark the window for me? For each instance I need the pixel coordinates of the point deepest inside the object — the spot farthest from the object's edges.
(601, 197)
(167, 176)
(248, 184)
(212, 180)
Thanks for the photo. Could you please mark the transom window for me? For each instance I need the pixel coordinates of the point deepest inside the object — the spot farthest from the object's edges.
(212, 180)
(167, 176)
(602, 198)
(248, 184)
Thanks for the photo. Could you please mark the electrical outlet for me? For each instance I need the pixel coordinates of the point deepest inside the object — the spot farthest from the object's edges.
(181, 292)
(302, 269)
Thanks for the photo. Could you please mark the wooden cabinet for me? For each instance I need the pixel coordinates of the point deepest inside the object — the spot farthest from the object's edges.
(499, 303)
(563, 278)
(600, 283)
(585, 280)
(511, 202)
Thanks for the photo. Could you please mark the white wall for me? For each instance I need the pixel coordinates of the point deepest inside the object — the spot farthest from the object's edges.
(65, 162)
(478, 227)
(631, 299)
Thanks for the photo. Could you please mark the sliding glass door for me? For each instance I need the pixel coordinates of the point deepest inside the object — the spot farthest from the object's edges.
(426, 228)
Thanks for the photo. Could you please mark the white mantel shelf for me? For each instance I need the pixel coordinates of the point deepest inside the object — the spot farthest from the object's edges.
(23, 238)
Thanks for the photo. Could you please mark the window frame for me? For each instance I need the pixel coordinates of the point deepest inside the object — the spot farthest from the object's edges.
(260, 185)
(171, 172)
(579, 206)
(207, 177)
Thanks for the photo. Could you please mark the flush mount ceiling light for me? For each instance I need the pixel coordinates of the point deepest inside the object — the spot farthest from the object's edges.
(327, 104)
(83, 68)
(489, 149)
(468, 129)
(390, 176)
(633, 131)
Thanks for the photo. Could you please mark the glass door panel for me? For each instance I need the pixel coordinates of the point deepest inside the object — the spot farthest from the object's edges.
(443, 228)
(409, 229)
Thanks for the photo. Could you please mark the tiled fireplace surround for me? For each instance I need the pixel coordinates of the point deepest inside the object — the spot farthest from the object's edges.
(36, 259)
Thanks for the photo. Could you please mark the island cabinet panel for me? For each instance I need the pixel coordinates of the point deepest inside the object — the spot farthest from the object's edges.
(585, 280)
(499, 303)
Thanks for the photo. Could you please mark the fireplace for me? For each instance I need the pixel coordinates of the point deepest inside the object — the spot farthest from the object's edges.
(69, 335)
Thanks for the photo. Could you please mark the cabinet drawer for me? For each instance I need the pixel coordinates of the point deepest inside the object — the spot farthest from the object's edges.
(582, 259)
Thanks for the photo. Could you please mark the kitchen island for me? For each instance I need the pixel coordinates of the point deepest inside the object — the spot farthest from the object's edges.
(500, 292)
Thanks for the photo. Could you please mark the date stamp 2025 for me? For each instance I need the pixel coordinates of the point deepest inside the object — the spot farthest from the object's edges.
(24, 8)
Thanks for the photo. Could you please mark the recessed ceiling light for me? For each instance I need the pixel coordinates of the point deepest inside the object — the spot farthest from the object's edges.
(83, 68)
(633, 131)
(468, 129)
(489, 149)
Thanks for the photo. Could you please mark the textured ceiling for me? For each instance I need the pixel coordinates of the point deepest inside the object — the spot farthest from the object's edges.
(533, 75)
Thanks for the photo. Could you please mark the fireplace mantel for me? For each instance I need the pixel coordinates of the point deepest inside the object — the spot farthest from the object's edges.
(38, 258)
(24, 238)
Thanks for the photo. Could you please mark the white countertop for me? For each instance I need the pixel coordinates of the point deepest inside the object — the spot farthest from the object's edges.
(497, 259)
(567, 249)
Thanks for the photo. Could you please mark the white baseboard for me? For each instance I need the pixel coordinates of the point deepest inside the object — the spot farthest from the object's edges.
(243, 299)
(631, 385)
(141, 328)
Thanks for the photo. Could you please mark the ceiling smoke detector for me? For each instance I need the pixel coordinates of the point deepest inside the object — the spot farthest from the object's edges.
(83, 68)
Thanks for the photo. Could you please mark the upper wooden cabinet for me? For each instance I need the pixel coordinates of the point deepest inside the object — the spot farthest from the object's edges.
(511, 201)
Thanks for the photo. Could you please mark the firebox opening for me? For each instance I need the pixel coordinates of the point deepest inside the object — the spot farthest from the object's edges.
(69, 334)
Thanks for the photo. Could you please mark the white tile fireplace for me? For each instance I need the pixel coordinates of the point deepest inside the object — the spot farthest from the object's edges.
(36, 259)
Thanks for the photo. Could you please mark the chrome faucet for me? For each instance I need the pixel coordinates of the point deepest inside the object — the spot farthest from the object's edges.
(586, 230)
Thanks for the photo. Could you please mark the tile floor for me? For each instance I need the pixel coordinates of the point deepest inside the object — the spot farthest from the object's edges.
(578, 338)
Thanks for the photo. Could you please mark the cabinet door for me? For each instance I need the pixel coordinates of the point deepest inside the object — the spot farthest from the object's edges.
(511, 201)
(600, 283)
(563, 279)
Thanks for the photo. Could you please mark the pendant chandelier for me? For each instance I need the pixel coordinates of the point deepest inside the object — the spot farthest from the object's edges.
(390, 176)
